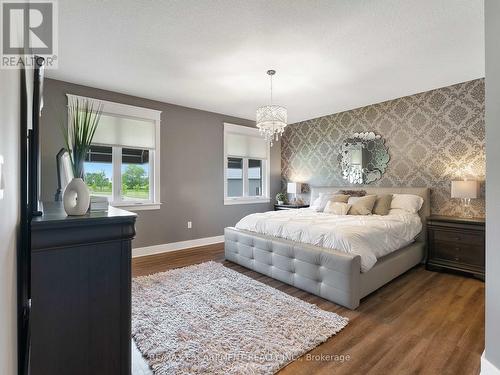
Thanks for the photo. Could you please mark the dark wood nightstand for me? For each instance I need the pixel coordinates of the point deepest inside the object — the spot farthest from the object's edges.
(278, 207)
(456, 244)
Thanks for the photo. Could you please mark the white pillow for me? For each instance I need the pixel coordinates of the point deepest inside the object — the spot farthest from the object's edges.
(337, 208)
(319, 203)
(316, 204)
(408, 202)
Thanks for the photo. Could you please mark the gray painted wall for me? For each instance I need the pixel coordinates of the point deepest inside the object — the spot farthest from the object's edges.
(492, 14)
(9, 218)
(192, 171)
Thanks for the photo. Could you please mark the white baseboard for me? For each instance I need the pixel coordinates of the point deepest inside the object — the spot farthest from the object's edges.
(174, 246)
(487, 368)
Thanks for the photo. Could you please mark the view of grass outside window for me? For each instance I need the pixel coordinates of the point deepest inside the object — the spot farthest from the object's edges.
(98, 169)
(135, 174)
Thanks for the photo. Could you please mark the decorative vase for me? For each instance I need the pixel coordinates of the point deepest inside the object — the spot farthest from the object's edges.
(281, 203)
(76, 198)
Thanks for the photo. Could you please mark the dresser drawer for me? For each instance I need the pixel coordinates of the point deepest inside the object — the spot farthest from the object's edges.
(468, 238)
(458, 252)
(456, 244)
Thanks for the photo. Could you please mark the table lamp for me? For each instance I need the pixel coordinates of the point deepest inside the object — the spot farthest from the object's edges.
(294, 188)
(465, 190)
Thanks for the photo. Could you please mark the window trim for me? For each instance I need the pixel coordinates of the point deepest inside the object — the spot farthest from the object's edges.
(125, 110)
(266, 168)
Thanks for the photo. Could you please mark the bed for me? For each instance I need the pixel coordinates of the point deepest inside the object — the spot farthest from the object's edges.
(334, 274)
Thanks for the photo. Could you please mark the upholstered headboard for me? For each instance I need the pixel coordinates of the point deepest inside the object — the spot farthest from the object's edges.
(424, 192)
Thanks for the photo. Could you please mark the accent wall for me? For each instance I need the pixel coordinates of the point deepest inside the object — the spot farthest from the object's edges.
(432, 137)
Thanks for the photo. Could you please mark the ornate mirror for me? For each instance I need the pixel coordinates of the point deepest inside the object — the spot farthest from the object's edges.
(363, 158)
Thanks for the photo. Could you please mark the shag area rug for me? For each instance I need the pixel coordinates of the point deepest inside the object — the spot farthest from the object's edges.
(209, 319)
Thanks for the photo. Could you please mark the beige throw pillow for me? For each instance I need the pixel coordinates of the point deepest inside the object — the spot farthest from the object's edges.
(363, 205)
(382, 204)
(339, 198)
(337, 208)
(331, 198)
(319, 203)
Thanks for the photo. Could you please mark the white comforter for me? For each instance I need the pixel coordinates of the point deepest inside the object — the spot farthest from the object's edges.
(370, 237)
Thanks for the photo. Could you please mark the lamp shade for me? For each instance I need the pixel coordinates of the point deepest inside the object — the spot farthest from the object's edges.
(464, 189)
(293, 188)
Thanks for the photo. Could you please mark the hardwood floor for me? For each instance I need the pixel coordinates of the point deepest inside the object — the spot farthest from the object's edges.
(420, 323)
(147, 265)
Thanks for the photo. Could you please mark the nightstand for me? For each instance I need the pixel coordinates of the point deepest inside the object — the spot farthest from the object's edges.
(278, 207)
(456, 244)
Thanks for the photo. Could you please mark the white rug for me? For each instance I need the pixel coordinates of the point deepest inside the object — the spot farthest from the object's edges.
(210, 319)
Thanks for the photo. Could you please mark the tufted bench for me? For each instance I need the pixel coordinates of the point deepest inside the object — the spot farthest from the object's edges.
(324, 272)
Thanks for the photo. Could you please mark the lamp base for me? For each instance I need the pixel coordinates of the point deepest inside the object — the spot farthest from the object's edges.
(466, 208)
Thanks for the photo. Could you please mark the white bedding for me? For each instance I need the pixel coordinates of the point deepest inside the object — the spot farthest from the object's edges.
(371, 237)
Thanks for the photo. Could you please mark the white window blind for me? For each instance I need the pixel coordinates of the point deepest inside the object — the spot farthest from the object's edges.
(125, 132)
(247, 146)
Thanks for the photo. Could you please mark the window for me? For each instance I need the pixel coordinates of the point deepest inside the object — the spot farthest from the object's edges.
(123, 162)
(135, 175)
(254, 177)
(246, 165)
(98, 169)
(234, 177)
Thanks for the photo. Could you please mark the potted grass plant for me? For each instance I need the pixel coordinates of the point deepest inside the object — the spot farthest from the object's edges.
(281, 198)
(83, 119)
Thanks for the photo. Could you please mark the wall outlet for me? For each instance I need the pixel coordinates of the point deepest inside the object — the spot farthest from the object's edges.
(190, 224)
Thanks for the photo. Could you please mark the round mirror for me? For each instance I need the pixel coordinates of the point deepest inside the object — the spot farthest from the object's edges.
(363, 158)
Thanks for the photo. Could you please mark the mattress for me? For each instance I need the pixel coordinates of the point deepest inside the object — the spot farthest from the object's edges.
(371, 236)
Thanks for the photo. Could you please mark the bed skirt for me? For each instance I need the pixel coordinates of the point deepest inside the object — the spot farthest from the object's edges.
(331, 274)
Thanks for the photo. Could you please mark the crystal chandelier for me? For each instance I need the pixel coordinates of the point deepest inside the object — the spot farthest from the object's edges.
(271, 119)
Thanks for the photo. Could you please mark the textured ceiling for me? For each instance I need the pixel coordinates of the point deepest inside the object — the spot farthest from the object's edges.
(330, 55)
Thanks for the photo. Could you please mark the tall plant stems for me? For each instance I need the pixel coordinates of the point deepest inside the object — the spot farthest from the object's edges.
(84, 116)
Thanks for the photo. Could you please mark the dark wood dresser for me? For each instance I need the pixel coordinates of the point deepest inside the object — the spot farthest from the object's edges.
(80, 289)
(456, 244)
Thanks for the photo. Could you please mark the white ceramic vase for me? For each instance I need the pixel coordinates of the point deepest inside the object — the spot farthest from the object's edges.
(76, 198)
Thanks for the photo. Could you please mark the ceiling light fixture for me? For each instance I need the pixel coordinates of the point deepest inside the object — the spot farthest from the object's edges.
(271, 119)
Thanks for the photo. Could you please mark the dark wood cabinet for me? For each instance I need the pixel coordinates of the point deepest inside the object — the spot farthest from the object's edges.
(456, 244)
(278, 207)
(80, 289)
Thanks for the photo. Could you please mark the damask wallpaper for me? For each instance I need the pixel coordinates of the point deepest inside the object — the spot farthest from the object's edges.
(432, 137)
